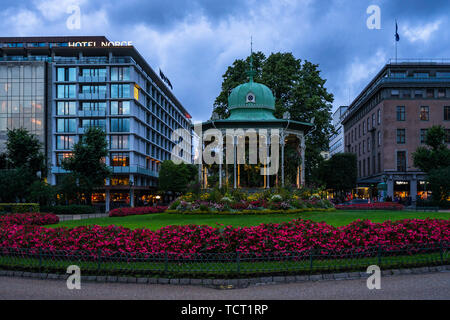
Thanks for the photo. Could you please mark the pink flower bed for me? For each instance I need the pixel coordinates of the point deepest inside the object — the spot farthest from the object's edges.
(371, 206)
(294, 236)
(123, 212)
(31, 218)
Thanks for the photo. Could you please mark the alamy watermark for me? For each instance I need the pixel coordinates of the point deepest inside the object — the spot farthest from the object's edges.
(229, 146)
(74, 280)
(374, 281)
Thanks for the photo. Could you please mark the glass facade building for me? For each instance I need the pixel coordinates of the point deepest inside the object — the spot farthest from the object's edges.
(61, 87)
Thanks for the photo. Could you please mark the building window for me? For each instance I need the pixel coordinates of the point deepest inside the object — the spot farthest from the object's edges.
(423, 135)
(424, 113)
(93, 106)
(120, 159)
(401, 161)
(65, 91)
(401, 114)
(368, 166)
(120, 107)
(364, 128)
(441, 93)
(66, 125)
(379, 138)
(447, 113)
(401, 136)
(120, 181)
(118, 142)
(120, 91)
(379, 162)
(373, 120)
(120, 125)
(93, 123)
(66, 74)
(430, 93)
(364, 147)
(418, 93)
(65, 108)
(368, 144)
(447, 135)
(120, 73)
(60, 156)
(64, 142)
(93, 72)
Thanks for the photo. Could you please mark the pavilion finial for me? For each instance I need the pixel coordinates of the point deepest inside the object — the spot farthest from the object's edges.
(251, 72)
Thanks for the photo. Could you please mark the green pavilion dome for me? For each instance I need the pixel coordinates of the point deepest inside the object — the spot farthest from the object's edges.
(251, 101)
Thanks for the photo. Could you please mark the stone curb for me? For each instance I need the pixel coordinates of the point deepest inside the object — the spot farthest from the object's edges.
(229, 283)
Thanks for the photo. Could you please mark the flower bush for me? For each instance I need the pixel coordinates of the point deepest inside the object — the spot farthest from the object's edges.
(294, 236)
(123, 212)
(30, 218)
(217, 201)
(372, 206)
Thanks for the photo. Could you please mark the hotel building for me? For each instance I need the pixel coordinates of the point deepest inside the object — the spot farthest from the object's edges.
(337, 140)
(388, 120)
(57, 87)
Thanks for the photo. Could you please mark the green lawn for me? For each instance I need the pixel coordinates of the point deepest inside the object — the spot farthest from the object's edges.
(336, 218)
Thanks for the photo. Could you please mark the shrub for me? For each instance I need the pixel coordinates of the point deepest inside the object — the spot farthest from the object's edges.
(19, 207)
(372, 206)
(29, 218)
(123, 212)
(69, 209)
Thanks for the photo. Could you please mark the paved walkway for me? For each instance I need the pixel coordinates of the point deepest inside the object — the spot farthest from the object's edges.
(422, 286)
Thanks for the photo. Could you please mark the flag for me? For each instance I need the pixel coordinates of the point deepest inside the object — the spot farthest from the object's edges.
(397, 36)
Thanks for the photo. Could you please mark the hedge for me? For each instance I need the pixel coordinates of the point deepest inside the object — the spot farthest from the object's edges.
(123, 212)
(69, 209)
(18, 207)
(252, 212)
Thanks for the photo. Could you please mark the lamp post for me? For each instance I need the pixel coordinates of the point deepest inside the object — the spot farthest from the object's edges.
(131, 194)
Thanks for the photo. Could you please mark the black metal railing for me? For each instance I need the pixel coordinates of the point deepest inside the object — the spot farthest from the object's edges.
(236, 264)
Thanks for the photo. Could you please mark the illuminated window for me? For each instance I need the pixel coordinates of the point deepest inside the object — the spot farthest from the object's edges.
(61, 156)
(424, 113)
(118, 142)
(64, 142)
(120, 159)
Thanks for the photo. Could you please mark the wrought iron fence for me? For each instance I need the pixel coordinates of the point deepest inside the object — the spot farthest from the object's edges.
(105, 262)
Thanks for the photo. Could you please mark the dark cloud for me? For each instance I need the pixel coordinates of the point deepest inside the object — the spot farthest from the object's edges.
(331, 33)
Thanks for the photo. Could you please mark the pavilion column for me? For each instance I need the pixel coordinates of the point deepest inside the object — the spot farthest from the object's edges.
(282, 159)
(200, 165)
(302, 176)
(235, 160)
(267, 162)
(220, 174)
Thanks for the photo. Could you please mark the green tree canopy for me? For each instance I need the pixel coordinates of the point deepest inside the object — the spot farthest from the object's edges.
(339, 172)
(87, 162)
(434, 159)
(297, 87)
(23, 150)
(176, 177)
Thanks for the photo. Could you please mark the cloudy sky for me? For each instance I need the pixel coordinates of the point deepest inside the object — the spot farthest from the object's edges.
(193, 41)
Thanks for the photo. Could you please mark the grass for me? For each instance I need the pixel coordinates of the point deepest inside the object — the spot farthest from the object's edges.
(335, 218)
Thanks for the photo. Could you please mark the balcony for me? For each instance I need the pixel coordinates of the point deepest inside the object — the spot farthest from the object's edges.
(92, 96)
(135, 169)
(92, 79)
(92, 113)
(82, 130)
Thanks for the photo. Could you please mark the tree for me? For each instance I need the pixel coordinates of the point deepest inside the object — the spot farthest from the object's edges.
(339, 172)
(434, 159)
(297, 88)
(23, 150)
(42, 193)
(176, 177)
(87, 162)
(15, 184)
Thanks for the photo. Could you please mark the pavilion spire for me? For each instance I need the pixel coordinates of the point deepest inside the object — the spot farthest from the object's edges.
(251, 73)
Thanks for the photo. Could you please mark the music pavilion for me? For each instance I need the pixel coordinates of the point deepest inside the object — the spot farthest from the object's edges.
(251, 106)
